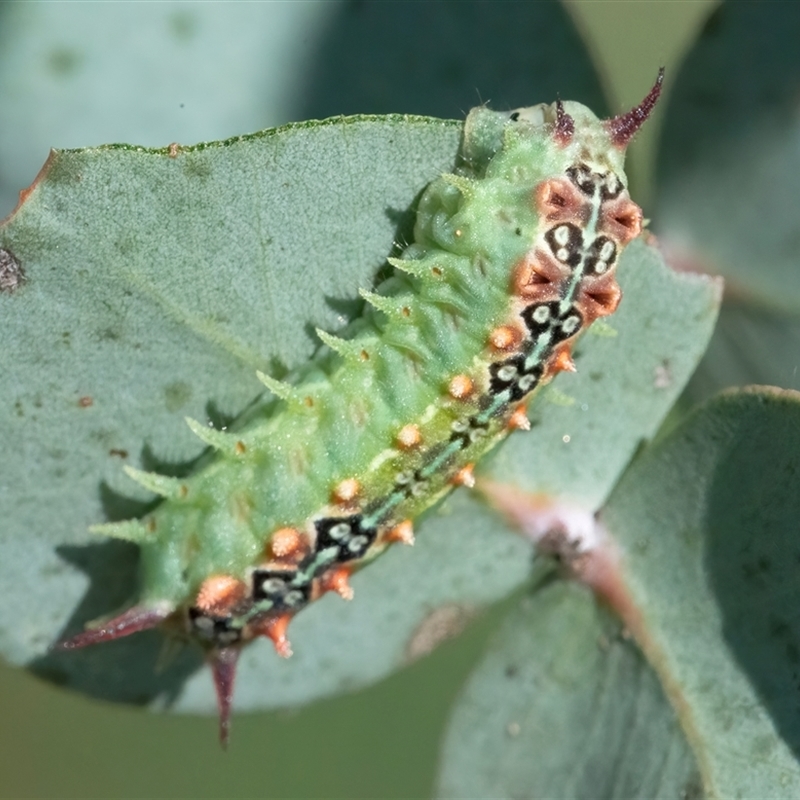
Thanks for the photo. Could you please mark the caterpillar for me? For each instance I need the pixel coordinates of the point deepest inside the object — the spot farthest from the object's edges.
(514, 256)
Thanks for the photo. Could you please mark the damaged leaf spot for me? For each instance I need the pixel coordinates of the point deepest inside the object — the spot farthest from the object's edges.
(12, 276)
(443, 623)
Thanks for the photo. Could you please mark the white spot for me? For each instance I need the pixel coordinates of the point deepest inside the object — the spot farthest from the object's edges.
(663, 376)
(293, 598)
(204, 624)
(566, 438)
(562, 254)
(507, 372)
(356, 543)
(570, 325)
(419, 489)
(272, 585)
(339, 531)
(561, 235)
(533, 115)
(607, 250)
(541, 314)
(600, 267)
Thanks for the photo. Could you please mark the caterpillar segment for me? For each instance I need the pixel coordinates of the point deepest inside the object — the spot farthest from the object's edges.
(514, 256)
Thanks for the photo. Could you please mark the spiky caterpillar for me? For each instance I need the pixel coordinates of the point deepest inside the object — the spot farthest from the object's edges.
(514, 256)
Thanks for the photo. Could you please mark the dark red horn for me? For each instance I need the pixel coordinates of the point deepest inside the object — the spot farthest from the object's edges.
(138, 618)
(623, 127)
(223, 668)
(564, 127)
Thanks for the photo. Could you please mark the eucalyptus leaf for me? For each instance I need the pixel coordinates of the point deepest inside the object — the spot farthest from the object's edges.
(751, 344)
(727, 197)
(729, 150)
(562, 706)
(157, 283)
(707, 524)
(75, 74)
(155, 287)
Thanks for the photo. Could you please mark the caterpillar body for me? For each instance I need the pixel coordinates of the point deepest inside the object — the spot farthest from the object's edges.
(514, 255)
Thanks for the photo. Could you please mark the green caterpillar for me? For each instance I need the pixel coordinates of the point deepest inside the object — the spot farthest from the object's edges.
(514, 256)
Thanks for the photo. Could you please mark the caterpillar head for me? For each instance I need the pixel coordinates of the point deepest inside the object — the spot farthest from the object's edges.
(578, 134)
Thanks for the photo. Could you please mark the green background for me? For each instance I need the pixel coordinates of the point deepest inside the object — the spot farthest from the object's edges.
(382, 741)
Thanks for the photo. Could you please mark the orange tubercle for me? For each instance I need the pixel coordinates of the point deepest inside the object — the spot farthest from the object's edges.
(409, 437)
(461, 387)
(220, 593)
(505, 337)
(465, 476)
(285, 542)
(275, 628)
(337, 580)
(519, 421)
(563, 361)
(346, 491)
(402, 533)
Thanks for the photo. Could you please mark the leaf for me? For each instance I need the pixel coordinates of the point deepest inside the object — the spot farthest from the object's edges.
(562, 706)
(73, 74)
(78, 74)
(727, 197)
(707, 524)
(729, 155)
(444, 58)
(157, 286)
(751, 344)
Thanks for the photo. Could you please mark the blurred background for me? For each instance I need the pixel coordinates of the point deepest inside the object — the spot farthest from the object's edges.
(76, 74)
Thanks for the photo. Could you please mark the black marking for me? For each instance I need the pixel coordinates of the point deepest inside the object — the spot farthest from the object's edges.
(514, 116)
(539, 317)
(610, 186)
(589, 182)
(583, 178)
(568, 325)
(601, 256)
(468, 431)
(217, 631)
(566, 243)
(347, 534)
(559, 324)
(410, 484)
(287, 590)
(513, 376)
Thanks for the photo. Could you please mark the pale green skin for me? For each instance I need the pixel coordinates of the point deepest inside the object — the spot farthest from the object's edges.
(295, 455)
